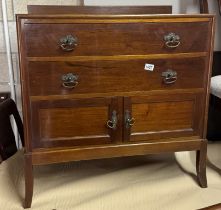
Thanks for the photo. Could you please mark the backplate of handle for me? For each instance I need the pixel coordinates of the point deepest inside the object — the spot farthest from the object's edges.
(129, 121)
(69, 80)
(172, 40)
(169, 76)
(68, 43)
(112, 123)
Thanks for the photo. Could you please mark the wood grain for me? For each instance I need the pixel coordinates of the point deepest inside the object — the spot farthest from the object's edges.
(67, 122)
(125, 39)
(118, 57)
(46, 9)
(59, 123)
(115, 76)
(43, 157)
(164, 116)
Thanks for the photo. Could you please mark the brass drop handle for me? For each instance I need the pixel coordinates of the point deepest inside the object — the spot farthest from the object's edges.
(68, 43)
(69, 80)
(169, 76)
(129, 121)
(172, 40)
(112, 124)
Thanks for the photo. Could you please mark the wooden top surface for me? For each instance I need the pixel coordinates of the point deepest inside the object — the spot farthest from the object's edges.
(113, 16)
(53, 9)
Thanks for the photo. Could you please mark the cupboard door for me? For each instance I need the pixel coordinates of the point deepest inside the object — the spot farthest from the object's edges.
(150, 118)
(76, 122)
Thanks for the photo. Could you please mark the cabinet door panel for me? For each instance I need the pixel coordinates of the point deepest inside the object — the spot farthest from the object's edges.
(84, 121)
(75, 122)
(165, 116)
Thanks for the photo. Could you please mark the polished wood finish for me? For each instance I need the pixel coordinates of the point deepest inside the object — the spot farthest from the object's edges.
(155, 116)
(90, 120)
(48, 156)
(59, 123)
(204, 8)
(125, 39)
(48, 9)
(201, 158)
(112, 74)
(118, 57)
(29, 181)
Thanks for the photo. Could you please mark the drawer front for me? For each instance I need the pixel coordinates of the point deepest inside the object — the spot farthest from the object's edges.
(97, 39)
(45, 78)
(61, 123)
(151, 118)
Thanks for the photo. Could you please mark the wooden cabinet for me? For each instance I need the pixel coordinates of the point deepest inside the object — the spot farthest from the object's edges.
(101, 86)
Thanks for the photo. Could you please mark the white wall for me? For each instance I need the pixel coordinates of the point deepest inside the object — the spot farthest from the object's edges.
(179, 6)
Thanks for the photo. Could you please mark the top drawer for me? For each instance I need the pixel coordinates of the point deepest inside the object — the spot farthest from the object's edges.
(115, 37)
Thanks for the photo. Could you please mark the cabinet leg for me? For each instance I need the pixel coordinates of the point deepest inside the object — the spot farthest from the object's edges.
(28, 181)
(201, 157)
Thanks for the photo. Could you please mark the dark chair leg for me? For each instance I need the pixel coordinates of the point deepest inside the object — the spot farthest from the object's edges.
(7, 139)
(219, 3)
(204, 6)
(201, 158)
(28, 181)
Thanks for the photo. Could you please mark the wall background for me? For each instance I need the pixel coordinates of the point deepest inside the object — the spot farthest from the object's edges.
(16, 7)
(19, 6)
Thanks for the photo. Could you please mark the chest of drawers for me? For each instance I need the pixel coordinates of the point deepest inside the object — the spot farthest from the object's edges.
(100, 86)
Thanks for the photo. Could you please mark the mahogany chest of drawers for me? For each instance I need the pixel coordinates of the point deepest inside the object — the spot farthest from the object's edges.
(100, 86)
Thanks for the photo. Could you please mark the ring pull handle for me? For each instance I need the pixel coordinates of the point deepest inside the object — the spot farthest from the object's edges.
(172, 40)
(129, 121)
(68, 43)
(112, 124)
(169, 76)
(69, 80)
